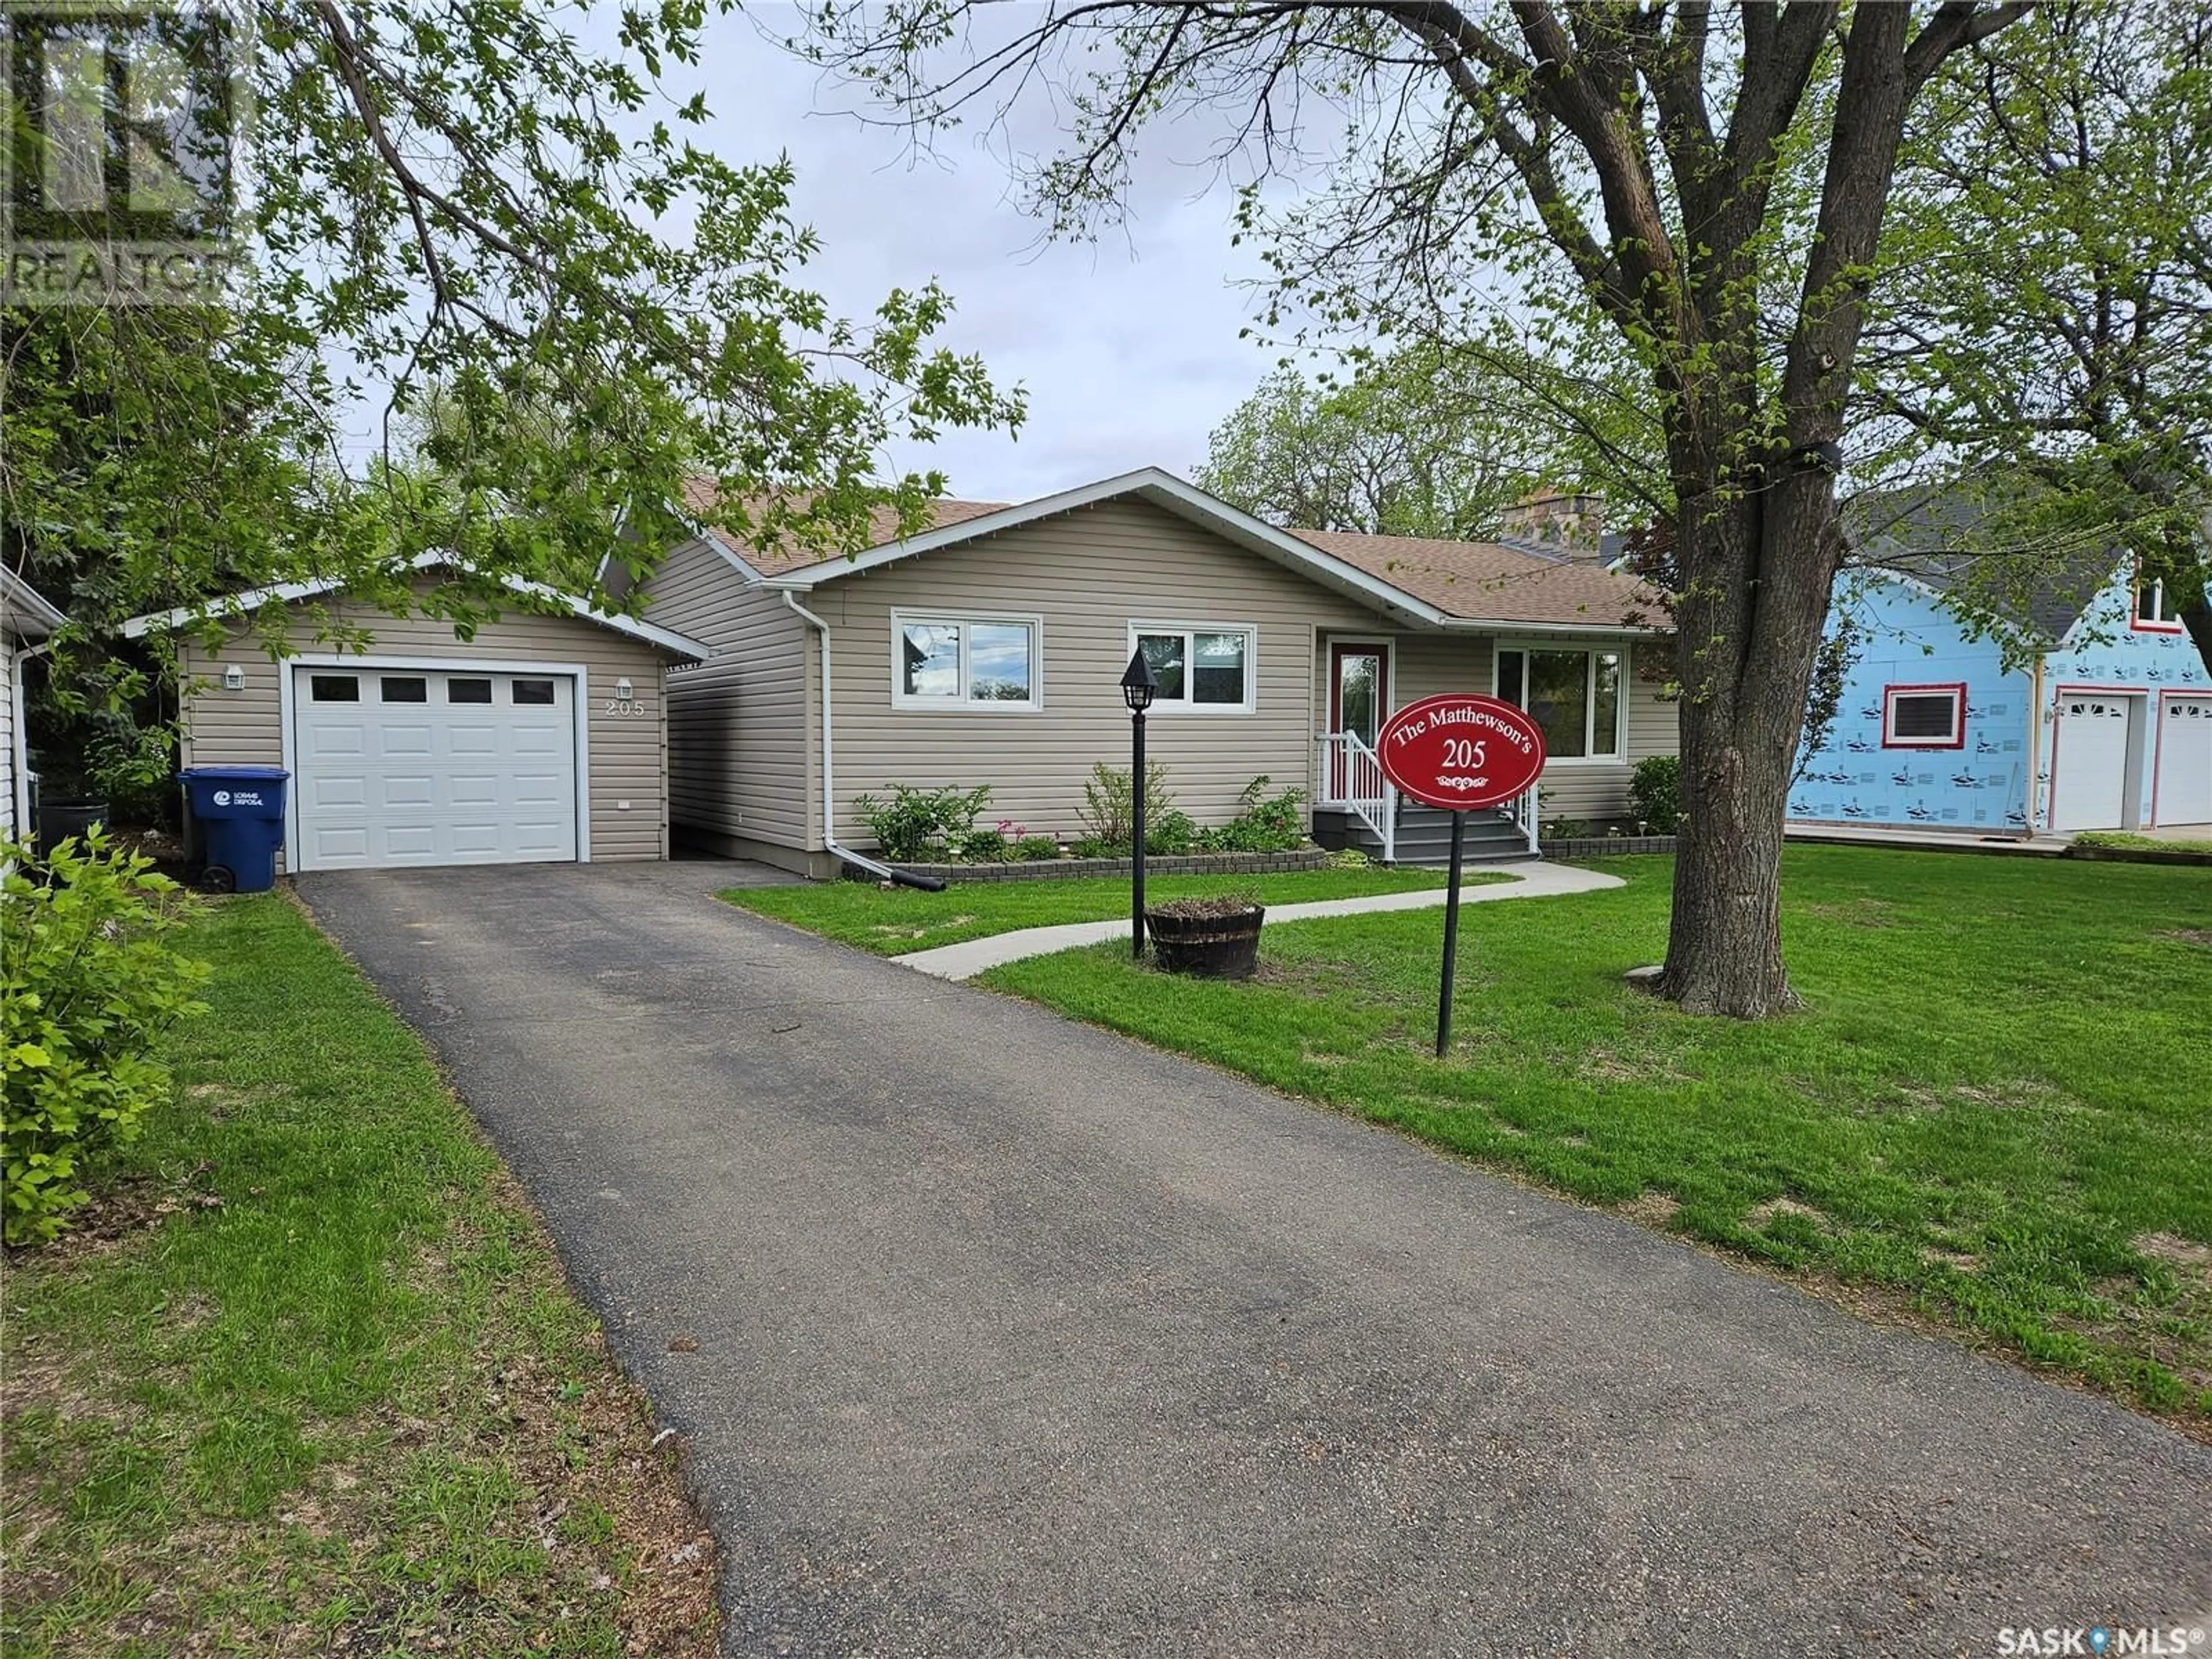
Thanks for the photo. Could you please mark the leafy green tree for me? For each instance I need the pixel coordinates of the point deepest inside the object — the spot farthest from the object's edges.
(461, 202)
(2062, 355)
(1705, 186)
(1405, 446)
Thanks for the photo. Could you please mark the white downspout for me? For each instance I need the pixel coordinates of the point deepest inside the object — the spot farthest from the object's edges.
(828, 769)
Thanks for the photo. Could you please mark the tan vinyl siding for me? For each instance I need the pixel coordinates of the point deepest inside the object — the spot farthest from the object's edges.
(1087, 574)
(1428, 665)
(627, 754)
(744, 757)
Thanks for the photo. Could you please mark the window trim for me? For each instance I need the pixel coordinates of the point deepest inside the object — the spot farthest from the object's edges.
(2156, 587)
(1184, 705)
(1955, 689)
(1591, 649)
(964, 704)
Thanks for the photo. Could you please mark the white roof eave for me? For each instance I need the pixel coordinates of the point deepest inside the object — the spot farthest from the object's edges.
(237, 606)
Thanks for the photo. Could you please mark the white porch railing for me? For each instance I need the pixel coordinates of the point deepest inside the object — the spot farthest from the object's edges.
(1351, 778)
(1524, 817)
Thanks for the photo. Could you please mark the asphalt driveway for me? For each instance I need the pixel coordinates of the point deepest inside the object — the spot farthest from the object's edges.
(1012, 1337)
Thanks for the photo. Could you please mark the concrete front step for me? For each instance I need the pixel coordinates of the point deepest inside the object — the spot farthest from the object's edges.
(1424, 838)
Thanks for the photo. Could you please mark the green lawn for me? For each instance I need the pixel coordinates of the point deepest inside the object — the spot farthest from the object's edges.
(310, 1378)
(1997, 1106)
(904, 918)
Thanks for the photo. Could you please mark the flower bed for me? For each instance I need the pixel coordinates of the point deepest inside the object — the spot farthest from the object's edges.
(1187, 864)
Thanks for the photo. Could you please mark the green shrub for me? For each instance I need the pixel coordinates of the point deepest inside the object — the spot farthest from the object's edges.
(1108, 811)
(916, 824)
(1656, 789)
(978, 846)
(1269, 823)
(1349, 858)
(1035, 849)
(1168, 832)
(88, 988)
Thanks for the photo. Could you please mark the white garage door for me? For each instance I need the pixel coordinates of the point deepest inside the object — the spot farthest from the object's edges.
(2089, 763)
(408, 766)
(2184, 791)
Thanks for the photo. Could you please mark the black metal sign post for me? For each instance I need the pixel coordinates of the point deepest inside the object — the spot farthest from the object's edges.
(1138, 686)
(1137, 834)
(1451, 934)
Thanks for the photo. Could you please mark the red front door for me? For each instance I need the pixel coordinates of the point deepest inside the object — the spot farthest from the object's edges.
(1359, 702)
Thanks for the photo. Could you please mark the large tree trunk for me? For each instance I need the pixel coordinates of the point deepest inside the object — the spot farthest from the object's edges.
(1757, 566)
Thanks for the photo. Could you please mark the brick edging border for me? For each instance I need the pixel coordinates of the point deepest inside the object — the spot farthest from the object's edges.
(1598, 846)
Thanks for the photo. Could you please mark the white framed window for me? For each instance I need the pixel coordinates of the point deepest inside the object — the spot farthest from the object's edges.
(2153, 614)
(1923, 716)
(1203, 668)
(1576, 693)
(987, 664)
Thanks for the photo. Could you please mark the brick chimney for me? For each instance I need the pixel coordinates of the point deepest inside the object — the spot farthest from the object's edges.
(1571, 525)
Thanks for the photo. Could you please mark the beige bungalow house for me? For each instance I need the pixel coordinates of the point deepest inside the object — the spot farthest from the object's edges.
(989, 648)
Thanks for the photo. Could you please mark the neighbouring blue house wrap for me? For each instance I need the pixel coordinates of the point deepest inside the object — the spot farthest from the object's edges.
(2098, 717)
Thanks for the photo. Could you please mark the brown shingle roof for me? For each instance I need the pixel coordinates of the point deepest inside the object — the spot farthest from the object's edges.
(1489, 582)
(883, 526)
(1480, 581)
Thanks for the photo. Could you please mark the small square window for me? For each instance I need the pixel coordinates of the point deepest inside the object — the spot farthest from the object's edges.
(334, 688)
(539, 692)
(404, 688)
(468, 690)
(2153, 610)
(1923, 717)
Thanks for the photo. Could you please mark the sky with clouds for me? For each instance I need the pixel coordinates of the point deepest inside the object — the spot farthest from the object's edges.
(1128, 346)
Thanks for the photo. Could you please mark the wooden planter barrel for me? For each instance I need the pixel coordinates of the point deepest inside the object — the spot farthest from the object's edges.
(1210, 947)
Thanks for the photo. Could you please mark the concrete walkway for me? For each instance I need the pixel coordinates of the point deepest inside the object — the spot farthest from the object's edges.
(965, 961)
(988, 1333)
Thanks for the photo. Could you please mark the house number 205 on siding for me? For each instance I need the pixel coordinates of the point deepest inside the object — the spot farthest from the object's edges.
(626, 707)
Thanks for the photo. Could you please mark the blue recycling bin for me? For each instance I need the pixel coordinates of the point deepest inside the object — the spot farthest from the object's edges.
(241, 810)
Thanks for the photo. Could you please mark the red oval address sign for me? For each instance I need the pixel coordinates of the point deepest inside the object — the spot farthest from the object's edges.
(1461, 751)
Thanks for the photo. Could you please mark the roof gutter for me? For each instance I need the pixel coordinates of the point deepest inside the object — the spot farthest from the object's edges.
(858, 860)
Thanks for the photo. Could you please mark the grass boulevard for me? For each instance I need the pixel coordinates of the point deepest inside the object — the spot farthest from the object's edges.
(307, 1377)
(1993, 1113)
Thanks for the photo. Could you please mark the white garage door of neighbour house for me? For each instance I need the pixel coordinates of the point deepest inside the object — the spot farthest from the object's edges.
(2089, 762)
(418, 766)
(2182, 790)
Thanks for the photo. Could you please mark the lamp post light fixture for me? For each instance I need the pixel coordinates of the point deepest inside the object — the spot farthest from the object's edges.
(1138, 686)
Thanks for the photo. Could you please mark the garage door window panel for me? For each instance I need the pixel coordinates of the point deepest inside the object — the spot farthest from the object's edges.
(334, 687)
(534, 693)
(403, 687)
(470, 691)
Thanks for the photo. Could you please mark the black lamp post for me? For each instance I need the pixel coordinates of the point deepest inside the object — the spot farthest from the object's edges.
(1137, 687)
